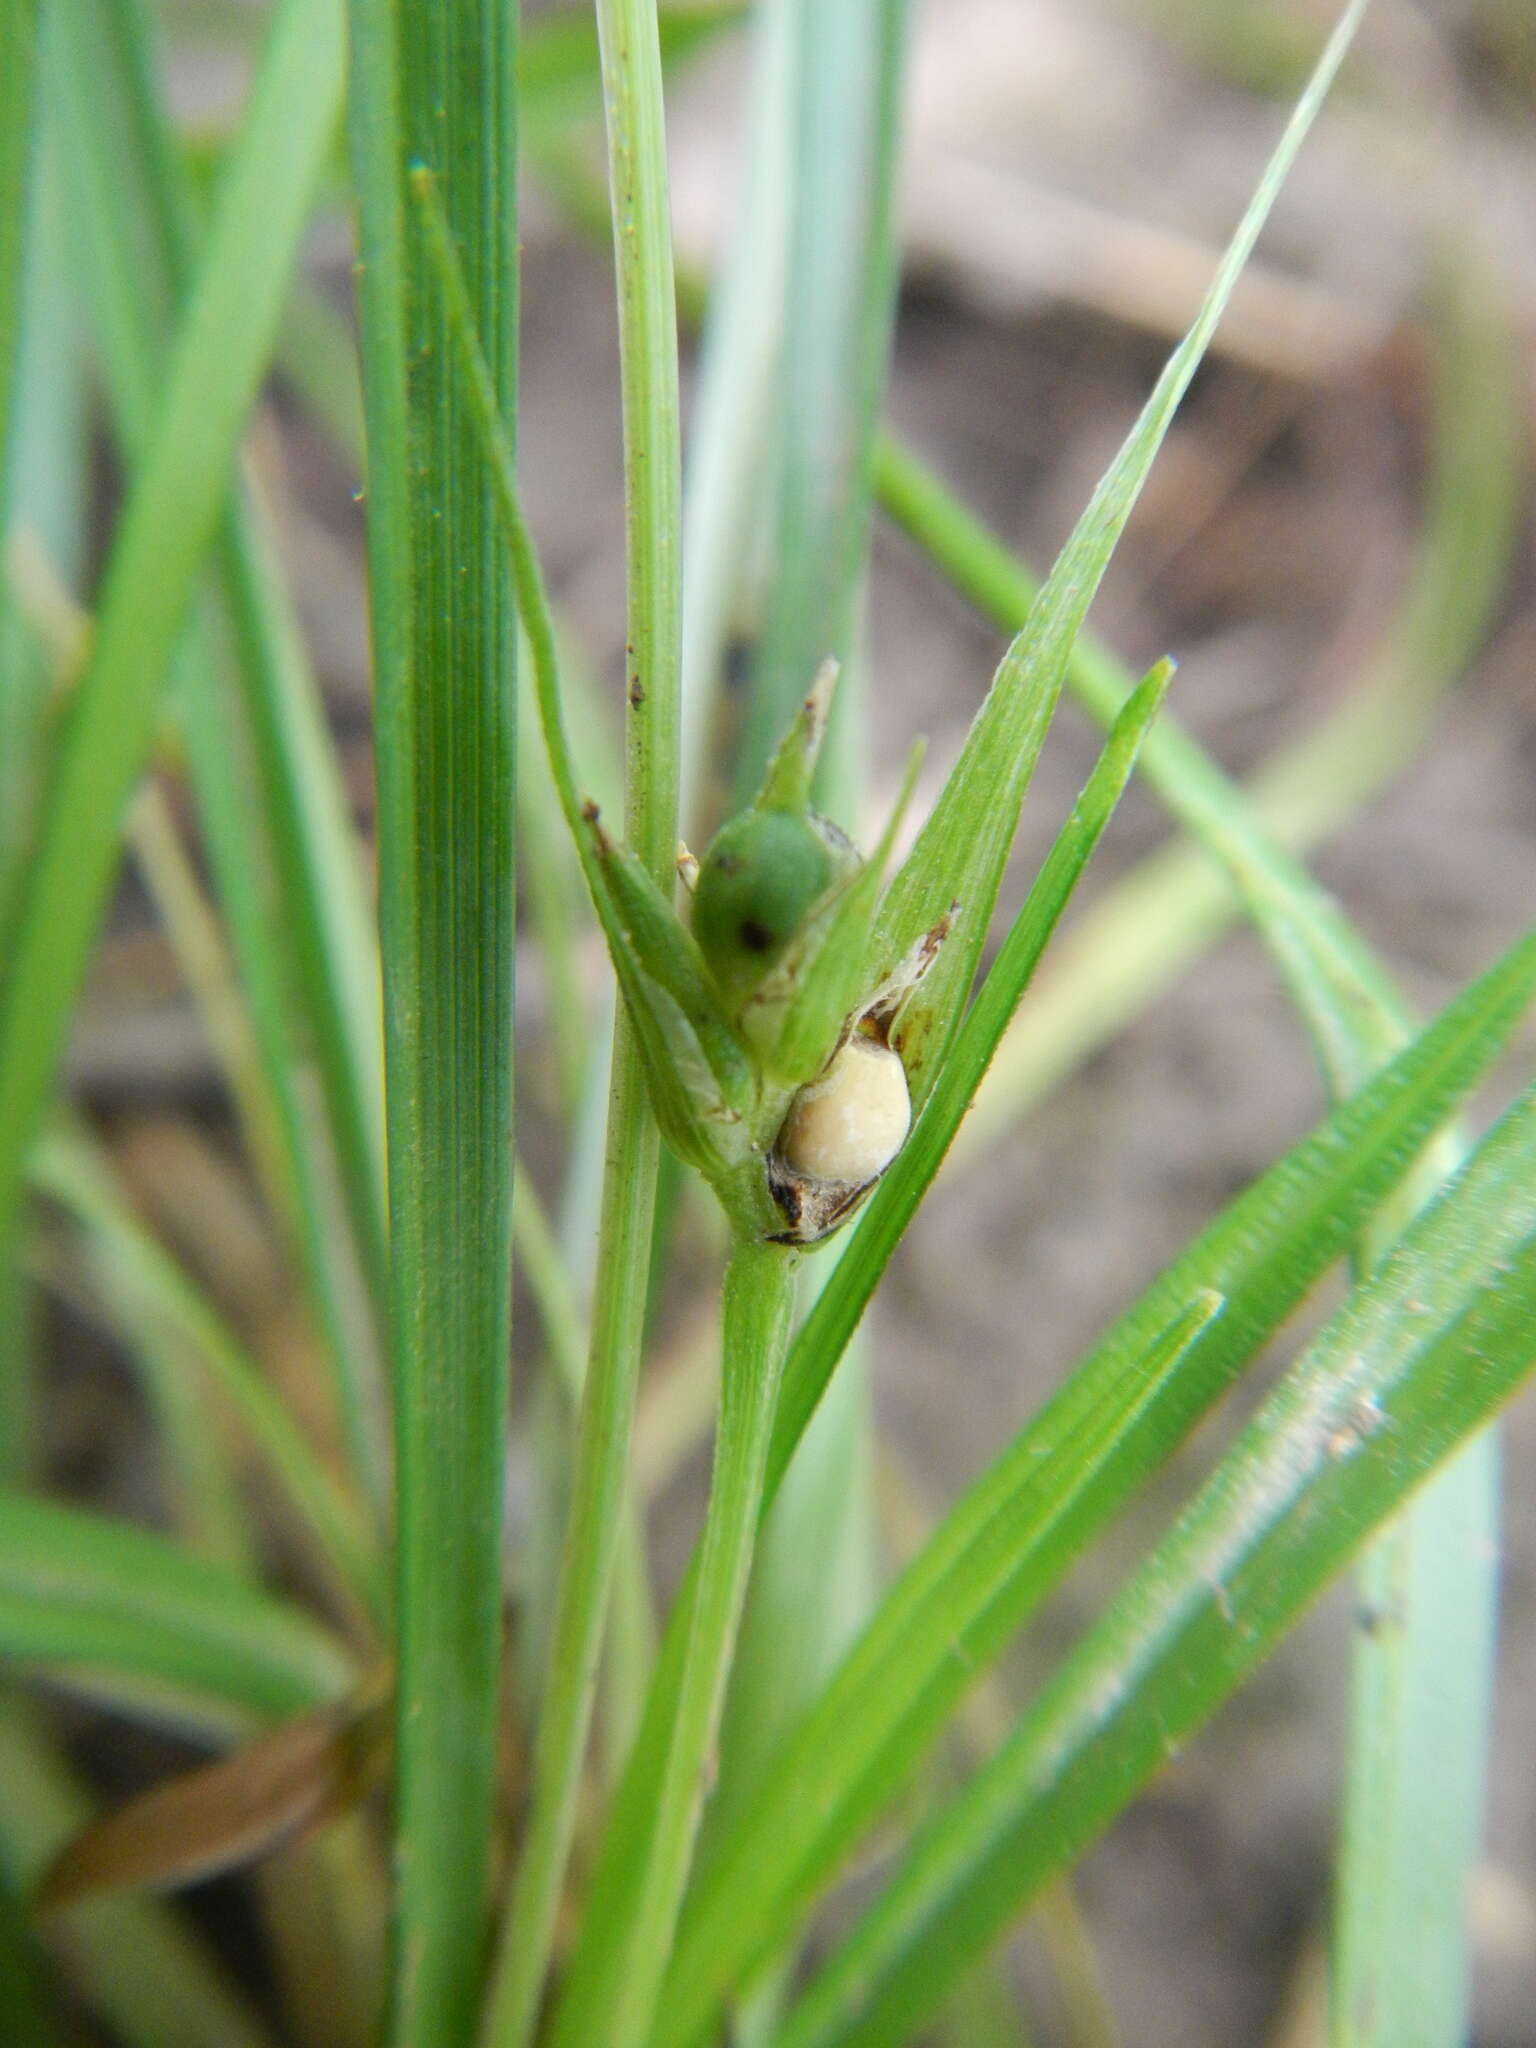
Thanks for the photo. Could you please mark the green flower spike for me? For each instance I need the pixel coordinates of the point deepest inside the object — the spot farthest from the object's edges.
(763, 1028)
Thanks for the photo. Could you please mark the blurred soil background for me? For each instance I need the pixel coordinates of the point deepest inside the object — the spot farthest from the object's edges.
(1071, 170)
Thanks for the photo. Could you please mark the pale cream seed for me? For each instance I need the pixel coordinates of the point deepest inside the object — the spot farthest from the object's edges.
(849, 1125)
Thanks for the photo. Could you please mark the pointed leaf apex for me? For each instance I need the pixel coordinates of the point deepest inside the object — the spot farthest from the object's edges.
(787, 785)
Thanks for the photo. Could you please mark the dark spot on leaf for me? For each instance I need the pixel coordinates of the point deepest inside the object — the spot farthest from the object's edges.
(754, 936)
(736, 665)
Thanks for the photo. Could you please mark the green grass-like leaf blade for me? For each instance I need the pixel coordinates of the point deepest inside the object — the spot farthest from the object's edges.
(78, 1588)
(1147, 927)
(960, 854)
(1005, 1542)
(853, 1751)
(307, 974)
(16, 124)
(1416, 1360)
(220, 355)
(1412, 1823)
(1260, 1256)
(436, 88)
(835, 320)
(637, 173)
(68, 1172)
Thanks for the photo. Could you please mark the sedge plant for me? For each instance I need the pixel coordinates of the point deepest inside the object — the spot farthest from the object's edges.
(800, 1029)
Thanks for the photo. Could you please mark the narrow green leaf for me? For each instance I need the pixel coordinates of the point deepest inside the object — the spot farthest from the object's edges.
(436, 87)
(41, 515)
(220, 354)
(1415, 1781)
(1403, 1929)
(736, 406)
(960, 855)
(283, 862)
(945, 1620)
(1422, 1686)
(1260, 1256)
(1147, 928)
(76, 1588)
(16, 125)
(67, 1172)
(1416, 1361)
(1412, 1824)
(835, 319)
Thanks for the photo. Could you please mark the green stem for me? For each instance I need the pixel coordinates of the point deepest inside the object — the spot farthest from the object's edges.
(603, 1523)
(634, 1624)
(755, 1336)
(637, 176)
(597, 1498)
(632, 95)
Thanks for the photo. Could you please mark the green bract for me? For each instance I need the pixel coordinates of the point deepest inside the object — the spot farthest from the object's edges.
(738, 1014)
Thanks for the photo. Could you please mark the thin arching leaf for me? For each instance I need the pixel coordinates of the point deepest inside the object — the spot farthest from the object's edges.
(961, 852)
(1260, 1257)
(158, 553)
(1419, 1357)
(82, 1590)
